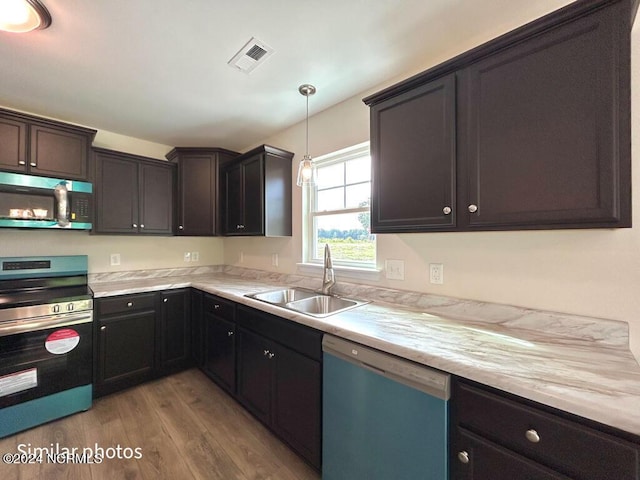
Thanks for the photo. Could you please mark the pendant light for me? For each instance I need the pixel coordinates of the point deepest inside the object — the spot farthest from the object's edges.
(306, 169)
(22, 16)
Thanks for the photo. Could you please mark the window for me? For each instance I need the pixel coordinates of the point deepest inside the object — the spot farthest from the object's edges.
(337, 210)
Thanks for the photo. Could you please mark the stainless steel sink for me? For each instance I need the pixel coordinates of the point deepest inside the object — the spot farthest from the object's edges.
(283, 296)
(307, 301)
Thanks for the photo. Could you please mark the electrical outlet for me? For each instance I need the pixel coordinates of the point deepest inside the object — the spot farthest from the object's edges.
(114, 259)
(394, 269)
(195, 256)
(187, 256)
(241, 257)
(274, 259)
(436, 273)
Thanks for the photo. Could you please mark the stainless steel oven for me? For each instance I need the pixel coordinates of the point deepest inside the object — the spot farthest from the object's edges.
(46, 332)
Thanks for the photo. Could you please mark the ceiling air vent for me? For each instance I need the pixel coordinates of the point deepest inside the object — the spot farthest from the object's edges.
(251, 55)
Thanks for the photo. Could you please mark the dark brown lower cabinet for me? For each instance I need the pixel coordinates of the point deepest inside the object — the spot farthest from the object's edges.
(140, 337)
(125, 342)
(175, 331)
(281, 384)
(219, 330)
(498, 436)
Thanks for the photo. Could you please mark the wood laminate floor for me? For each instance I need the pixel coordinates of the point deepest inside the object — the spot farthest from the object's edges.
(186, 427)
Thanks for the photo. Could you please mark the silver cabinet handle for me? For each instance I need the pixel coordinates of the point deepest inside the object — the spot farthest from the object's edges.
(129, 304)
(472, 208)
(532, 436)
(266, 352)
(446, 210)
(135, 225)
(21, 162)
(271, 355)
(463, 456)
(180, 227)
(229, 334)
(216, 306)
(165, 300)
(33, 164)
(239, 227)
(103, 328)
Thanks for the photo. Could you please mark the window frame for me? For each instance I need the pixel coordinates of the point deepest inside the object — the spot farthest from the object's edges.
(310, 214)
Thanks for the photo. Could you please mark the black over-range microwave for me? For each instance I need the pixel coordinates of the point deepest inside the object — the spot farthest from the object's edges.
(29, 201)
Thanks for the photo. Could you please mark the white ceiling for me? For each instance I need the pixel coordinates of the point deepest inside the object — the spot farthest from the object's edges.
(157, 69)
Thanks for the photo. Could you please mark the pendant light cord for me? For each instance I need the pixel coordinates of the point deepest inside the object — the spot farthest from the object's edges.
(307, 125)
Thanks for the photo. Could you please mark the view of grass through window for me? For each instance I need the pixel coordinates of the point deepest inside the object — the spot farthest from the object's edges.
(341, 215)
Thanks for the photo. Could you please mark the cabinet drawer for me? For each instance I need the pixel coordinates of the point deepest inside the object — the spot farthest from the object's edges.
(125, 303)
(219, 307)
(566, 446)
(302, 339)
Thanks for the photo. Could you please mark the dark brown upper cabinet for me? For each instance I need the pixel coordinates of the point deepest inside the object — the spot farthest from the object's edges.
(134, 195)
(540, 138)
(44, 147)
(198, 195)
(413, 136)
(256, 190)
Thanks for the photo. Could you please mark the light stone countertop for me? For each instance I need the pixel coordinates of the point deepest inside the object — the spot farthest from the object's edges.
(578, 364)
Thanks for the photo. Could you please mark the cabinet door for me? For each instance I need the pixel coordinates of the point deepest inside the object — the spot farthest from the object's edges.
(156, 199)
(13, 145)
(175, 332)
(542, 140)
(234, 201)
(253, 195)
(116, 195)
(126, 346)
(197, 206)
(58, 153)
(475, 458)
(255, 373)
(220, 350)
(297, 402)
(197, 328)
(414, 159)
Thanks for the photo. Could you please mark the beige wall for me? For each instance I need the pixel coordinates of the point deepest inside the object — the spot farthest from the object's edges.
(586, 272)
(136, 252)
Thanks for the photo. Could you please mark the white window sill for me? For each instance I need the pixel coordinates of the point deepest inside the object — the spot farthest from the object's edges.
(315, 269)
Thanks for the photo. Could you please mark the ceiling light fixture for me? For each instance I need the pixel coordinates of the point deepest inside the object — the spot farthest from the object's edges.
(306, 169)
(21, 16)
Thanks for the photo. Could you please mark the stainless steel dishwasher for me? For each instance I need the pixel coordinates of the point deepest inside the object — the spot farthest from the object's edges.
(383, 417)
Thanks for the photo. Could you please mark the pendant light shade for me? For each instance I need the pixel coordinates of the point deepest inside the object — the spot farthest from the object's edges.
(306, 169)
(21, 16)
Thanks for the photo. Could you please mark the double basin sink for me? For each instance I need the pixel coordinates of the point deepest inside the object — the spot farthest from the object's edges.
(307, 301)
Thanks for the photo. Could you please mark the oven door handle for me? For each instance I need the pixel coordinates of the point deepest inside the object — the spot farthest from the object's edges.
(15, 327)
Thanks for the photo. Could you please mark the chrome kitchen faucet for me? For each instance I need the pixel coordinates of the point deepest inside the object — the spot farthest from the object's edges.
(328, 276)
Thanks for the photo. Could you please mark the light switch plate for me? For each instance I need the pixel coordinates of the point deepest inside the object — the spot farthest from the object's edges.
(187, 256)
(394, 269)
(114, 259)
(195, 256)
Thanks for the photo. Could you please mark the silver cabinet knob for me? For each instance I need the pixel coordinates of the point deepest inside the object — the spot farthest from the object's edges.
(142, 225)
(271, 355)
(135, 225)
(446, 210)
(266, 352)
(229, 334)
(180, 227)
(165, 300)
(472, 208)
(33, 164)
(21, 162)
(103, 328)
(129, 304)
(216, 306)
(463, 456)
(532, 436)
